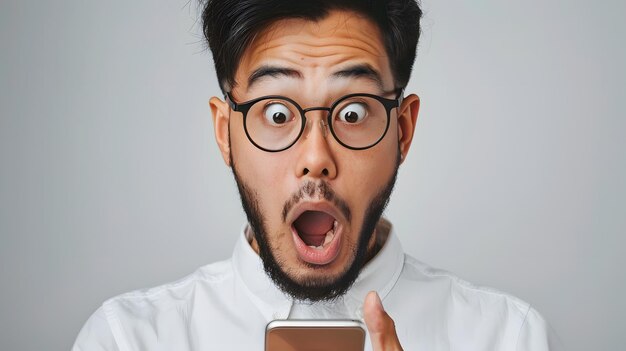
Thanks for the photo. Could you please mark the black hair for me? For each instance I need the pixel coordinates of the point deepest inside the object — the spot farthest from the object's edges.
(229, 26)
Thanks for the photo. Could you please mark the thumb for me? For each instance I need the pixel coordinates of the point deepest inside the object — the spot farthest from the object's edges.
(381, 328)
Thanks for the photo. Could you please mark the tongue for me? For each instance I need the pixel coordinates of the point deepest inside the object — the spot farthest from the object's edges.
(312, 226)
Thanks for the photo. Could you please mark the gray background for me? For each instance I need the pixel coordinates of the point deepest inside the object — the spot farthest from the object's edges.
(110, 179)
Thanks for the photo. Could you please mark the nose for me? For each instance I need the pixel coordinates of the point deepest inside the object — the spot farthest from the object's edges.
(315, 158)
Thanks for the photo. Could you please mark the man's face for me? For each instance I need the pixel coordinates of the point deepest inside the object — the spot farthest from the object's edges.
(313, 207)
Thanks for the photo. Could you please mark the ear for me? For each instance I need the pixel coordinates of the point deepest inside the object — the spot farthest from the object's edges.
(407, 117)
(221, 112)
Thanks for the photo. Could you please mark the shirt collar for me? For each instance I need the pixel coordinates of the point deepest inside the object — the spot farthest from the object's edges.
(379, 274)
(249, 273)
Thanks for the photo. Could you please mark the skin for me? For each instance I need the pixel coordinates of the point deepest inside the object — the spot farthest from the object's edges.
(316, 51)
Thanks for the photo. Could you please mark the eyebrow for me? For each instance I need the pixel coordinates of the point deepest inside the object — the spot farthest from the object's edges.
(361, 71)
(355, 71)
(272, 71)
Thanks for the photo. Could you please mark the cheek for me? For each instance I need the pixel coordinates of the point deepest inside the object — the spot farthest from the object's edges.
(368, 173)
(373, 167)
(254, 166)
(264, 174)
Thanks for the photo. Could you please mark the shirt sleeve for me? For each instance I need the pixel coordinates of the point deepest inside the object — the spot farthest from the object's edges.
(96, 335)
(537, 335)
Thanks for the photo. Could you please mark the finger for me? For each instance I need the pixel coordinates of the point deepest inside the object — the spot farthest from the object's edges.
(381, 328)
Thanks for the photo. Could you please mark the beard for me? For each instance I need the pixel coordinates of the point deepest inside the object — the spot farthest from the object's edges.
(323, 287)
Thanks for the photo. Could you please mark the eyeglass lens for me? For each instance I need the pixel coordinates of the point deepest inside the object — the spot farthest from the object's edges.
(357, 122)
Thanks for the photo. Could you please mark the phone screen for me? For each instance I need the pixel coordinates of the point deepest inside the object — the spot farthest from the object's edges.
(314, 335)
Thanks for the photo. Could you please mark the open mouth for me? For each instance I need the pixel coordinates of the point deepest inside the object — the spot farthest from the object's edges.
(316, 235)
(315, 228)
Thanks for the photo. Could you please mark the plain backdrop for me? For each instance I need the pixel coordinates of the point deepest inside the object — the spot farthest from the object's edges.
(110, 179)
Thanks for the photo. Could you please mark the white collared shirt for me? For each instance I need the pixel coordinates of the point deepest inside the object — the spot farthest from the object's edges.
(226, 306)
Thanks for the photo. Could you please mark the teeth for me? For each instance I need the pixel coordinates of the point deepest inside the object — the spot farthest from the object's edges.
(329, 237)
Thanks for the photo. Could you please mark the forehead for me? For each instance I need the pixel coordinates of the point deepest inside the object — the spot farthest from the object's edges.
(322, 50)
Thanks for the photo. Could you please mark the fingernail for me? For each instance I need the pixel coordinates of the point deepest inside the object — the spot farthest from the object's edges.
(378, 301)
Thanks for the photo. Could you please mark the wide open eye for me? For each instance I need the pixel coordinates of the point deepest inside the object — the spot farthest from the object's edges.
(352, 113)
(277, 114)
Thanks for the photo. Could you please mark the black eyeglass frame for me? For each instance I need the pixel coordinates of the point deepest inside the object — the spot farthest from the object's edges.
(244, 107)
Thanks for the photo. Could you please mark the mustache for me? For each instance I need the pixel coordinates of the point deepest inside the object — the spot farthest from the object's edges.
(320, 190)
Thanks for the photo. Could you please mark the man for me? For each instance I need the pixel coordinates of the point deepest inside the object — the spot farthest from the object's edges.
(314, 125)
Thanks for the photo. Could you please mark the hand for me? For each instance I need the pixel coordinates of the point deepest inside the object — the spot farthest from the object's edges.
(380, 326)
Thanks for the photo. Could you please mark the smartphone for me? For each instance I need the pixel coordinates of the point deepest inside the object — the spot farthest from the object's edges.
(315, 335)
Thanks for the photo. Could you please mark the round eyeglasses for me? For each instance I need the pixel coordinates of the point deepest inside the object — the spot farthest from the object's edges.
(357, 121)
